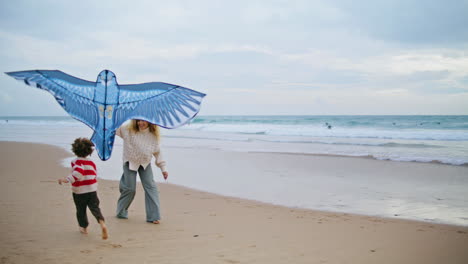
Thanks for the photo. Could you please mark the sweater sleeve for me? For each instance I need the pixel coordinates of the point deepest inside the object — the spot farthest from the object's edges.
(119, 132)
(72, 177)
(159, 160)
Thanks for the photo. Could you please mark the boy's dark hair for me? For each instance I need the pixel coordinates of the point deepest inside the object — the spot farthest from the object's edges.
(82, 147)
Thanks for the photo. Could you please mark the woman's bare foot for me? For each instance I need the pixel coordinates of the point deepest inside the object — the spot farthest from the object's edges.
(156, 222)
(105, 235)
(83, 230)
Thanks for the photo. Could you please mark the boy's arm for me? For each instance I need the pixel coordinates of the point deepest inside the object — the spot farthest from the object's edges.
(69, 178)
(74, 175)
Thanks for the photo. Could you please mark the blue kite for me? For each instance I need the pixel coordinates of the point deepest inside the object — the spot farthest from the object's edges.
(105, 105)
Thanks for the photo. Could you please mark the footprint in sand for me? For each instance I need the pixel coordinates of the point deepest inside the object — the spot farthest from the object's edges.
(231, 261)
(86, 251)
(109, 246)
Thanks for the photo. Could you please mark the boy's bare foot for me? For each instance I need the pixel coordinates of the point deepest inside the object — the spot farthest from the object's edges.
(83, 230)
(105, 235)
(156, 222)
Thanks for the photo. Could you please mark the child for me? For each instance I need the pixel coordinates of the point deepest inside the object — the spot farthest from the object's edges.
(84, 185)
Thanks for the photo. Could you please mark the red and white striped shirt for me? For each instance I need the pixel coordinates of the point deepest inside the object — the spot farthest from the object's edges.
(84, 176)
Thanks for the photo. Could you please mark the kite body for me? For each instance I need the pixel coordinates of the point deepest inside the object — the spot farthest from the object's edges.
(105, 105)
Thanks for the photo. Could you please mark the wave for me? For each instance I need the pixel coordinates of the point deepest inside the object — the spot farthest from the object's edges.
(446, 161)
(39, 121)
(298, 141)
(381, 151)
(321, 131)
(386, 122)
(410, 145)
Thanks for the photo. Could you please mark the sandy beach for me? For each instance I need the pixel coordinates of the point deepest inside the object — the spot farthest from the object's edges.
(38, 224)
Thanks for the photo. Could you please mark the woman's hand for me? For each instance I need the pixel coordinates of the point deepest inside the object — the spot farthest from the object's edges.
(165, 175)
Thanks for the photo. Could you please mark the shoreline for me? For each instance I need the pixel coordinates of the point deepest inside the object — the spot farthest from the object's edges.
(359, 157)
(197, 227)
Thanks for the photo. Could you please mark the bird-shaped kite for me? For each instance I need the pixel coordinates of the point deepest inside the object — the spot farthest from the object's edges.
(105, 105)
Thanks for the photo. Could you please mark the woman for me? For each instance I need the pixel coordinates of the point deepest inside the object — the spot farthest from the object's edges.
(141, 143)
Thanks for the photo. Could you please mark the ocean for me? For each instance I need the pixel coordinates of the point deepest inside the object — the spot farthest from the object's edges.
(422, 139)
(442, 139)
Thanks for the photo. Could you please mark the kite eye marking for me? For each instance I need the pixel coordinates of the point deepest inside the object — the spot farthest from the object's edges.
(101, 111)
(109, 111)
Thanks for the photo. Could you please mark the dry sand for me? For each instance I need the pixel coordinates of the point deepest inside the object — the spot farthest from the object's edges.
(38, 225)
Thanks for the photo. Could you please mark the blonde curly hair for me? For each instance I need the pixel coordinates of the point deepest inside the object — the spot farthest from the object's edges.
(154, 129)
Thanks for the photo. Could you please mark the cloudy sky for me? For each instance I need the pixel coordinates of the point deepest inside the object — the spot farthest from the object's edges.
(250, 57)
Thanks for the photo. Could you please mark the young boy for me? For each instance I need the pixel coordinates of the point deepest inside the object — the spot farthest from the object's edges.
(84, 185)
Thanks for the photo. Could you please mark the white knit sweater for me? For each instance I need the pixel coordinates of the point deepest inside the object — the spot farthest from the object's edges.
(139, 147)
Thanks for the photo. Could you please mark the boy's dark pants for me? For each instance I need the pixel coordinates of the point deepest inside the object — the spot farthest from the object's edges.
(84, 200)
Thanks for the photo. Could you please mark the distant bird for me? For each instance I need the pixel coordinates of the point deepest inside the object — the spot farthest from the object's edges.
(105, 105)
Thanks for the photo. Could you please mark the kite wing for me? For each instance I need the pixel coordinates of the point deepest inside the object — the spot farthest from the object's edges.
(73, 94)
(164, 104)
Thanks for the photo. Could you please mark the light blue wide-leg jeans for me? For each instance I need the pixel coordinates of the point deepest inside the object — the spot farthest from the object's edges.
(128, 189)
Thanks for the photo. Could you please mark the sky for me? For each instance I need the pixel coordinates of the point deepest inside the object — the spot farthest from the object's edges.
(333, 57)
